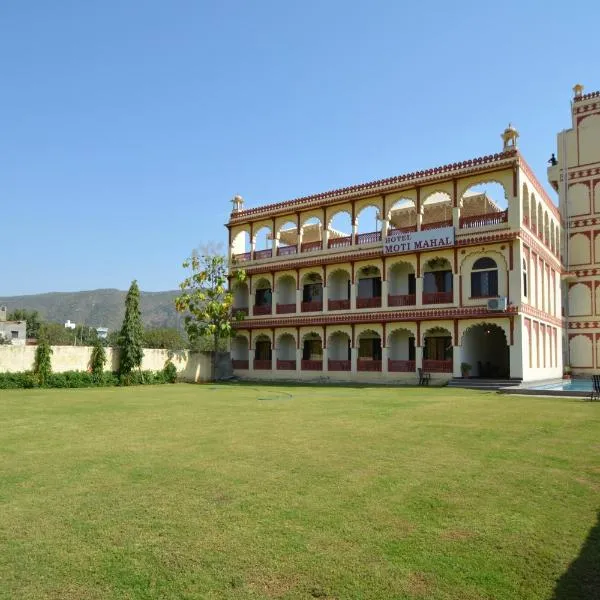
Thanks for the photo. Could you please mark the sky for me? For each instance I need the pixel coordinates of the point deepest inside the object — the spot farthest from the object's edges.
(127, 126)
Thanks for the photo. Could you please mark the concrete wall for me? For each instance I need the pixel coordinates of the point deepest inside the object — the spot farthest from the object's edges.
(194, 366)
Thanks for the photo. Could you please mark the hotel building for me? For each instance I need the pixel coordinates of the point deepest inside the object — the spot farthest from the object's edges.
(428, 270)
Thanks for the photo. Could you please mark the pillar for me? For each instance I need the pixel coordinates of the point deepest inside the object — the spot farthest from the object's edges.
(251, 360)
(300, 236)
(353, 296)
(385, 227)
(250, 299)
(419, 221)
(325, 238)
(384, 359)
(325, 298)
(354, 232)
(384, 293)
(456, 217)
(354, 360)
(273, 356)
(456, 361)
(275, 244)
(419, 291)
(298, 301)
(456, 289)
(299, 359)
(418, 357)
(325, 359)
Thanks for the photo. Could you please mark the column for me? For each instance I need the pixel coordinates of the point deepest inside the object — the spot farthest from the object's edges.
(253, 247)
(455, 217)
(384, 359)
(354, 232)
(300, 236)
(419, 221)
(273, 356)
(325, 298)
(250, 299)
(456, 361)
(325, 238)
(275, 244)
(298, 301)
(325, 359)
(251, 360)
(455, 288)
(418, 357)
(298, 359)
(353, 296)
(354, 360)
(419, 291)
(384, 293)
(385, 226)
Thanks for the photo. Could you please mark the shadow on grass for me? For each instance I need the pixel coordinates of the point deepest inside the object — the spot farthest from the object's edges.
(581, 581)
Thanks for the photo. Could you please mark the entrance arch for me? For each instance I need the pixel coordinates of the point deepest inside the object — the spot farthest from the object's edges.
(485, 348)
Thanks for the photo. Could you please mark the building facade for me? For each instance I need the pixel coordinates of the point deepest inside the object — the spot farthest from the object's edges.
(575, 175)
(15, 332)
(443, 272)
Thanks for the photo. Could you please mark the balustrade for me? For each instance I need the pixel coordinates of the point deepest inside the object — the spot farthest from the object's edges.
(262, 365)
(242, 309)
(242, 257)
(262, 309)
(311, 246)
(436, 225)
(286, 365)
(286, 250)
(484, 220)
(340, 242)
(368, 302)
(368, 238)
(285, 308)
(339, 365)
(313, 306)
(312, 365)
(339, 304)
(258, 254)
(437, 366)
(402, 299)
(437, 297)
(368, 365)
(408, 229)
(401, 366)
(240, 364)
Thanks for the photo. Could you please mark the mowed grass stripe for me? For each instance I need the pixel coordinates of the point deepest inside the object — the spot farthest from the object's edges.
(247, 491)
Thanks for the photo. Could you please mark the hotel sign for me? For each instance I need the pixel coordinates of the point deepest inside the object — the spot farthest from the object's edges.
(414, 241)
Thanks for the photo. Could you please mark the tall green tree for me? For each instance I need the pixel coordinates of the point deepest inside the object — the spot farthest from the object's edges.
(43, 361)
(98, 359)
(32, 317)
(206, 299)
(168, 338)
(131, 336)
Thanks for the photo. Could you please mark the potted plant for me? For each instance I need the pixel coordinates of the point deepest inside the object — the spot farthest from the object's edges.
(567, 372)
(465, 369)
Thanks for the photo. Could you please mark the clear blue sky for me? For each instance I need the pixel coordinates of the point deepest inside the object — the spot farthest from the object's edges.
(128, 125)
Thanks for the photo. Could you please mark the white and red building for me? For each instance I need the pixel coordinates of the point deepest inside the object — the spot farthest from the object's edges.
(428, 270)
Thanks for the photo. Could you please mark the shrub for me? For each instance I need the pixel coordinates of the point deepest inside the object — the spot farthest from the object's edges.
(98, 359)
(43, 362)
(14, 381)
(170, 372)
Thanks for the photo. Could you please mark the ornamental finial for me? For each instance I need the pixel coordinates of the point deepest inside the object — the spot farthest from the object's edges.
(578, 90)
(238, 203)
(509, 137)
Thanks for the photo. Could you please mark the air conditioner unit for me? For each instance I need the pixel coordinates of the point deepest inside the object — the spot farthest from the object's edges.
(497, 304)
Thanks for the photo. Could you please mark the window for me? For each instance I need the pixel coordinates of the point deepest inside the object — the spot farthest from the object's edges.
(263, 297)
(14, 335)
(525, 278)
(369, 287)
(263, 350)
(437, 281)
(313, 292)
(484, 278)
(312, 350)
(412, 286)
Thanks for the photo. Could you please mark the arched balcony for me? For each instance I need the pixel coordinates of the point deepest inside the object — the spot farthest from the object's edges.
(369, 287)
(437, 282)
(437, 351)
(369, 351)
(286, 353)
(263, 354)
(338, 287)
(482, 205)
(312, 293)
(239, 352)
(401, 285)
(312, 352)
(263, 298)
(401, 351)
(339, 352)
(286, 295)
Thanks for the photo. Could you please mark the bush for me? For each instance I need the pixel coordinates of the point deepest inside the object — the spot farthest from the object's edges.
(170, 372)
(15, 381)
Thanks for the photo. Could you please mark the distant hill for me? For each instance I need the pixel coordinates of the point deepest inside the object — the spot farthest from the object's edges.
(98, 308)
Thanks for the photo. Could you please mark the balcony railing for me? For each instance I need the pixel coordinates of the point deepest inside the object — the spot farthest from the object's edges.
(243, 257)
(437, 297)
(401, 366)
(437, 224)
(312, 365)
(286, 365)
(240, 309)
(285, 308)
(368, 302)
(437, 366)
(368, 238)
(262, 309)
(340, 242)
(311, 246)
(258, 254)
(339, 304)
(313, 306)
(484, 220)
(368, 365)
(339, 365)
(286, 250)
(408, 229)
(402, 299)
(240, 364)
(262, 365)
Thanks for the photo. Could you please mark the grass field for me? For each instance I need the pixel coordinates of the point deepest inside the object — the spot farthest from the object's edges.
(241, 491)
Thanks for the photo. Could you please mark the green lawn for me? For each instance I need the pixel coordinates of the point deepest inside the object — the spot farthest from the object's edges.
(240, 491)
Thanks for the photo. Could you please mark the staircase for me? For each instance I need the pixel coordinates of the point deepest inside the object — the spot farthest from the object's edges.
(476, 383)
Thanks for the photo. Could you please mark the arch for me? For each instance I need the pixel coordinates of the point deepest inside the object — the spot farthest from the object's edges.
(368, 287)
(401, 280)
(437, 264)
(525, 205)
(240, 350)
(579, 199)
(436, 331)
(263, 351)
(338, 289)
(482, 198)
(485, 349)
(597, 197)
(312, 348)
(368, 271)
(589, 134)
(438, 281)
(285, 287)
(369, 350)
(534, 213)
(402, 213)
(437, 350)
(263, 296)
(368, 219)
(339, 223)
(263, 238)
(546, 229)
(311, 229)
(240, 242)
(401, 347)
(579, 249)
(339, 349)
(581, 351)
(287, 234)
(286, 347)
(241, 295)
(484, 278)
(580, 299)
(312, 291)
(436, 208)
(311, 277)
(540, 220)
(311, 335)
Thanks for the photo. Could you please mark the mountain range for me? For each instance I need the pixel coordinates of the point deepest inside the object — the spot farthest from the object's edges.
(98, 308)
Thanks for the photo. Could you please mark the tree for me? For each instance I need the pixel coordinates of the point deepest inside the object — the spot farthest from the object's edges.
(56, 334)
(43, 362)
(168, 338)
(32, 318)
(98, 359)
(131, 336)
(206, 300)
